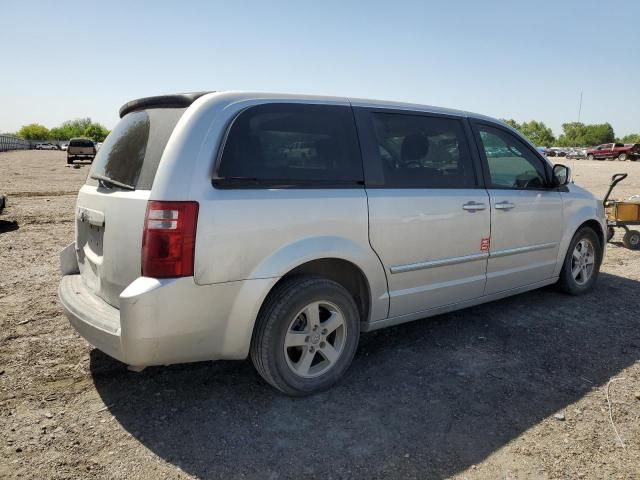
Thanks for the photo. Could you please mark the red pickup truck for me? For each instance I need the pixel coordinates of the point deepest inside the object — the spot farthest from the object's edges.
(612, 151)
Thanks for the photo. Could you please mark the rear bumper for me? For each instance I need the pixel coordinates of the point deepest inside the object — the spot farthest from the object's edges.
(92, 317)
(167, 321)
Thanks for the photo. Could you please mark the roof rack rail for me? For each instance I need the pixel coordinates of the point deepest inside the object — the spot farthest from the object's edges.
(176, 100)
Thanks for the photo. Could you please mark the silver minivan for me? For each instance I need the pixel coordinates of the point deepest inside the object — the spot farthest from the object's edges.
(221, 225)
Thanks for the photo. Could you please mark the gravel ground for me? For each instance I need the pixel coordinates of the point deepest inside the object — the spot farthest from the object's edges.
(512, 389)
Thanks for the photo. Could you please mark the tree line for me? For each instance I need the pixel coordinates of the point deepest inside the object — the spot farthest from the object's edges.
(574, 134)
(80, 127)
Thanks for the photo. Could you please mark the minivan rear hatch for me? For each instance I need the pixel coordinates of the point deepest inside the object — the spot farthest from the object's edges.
(112, 204)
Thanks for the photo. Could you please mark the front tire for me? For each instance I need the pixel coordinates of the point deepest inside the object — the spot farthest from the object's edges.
(622, 157)
(582, 263)
(306, 335)
(590, 157)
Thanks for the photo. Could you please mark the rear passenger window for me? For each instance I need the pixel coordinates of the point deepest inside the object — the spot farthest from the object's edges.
(422, 152)
(284, 145)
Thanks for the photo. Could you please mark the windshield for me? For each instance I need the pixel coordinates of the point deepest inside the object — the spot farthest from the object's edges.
(131, 153)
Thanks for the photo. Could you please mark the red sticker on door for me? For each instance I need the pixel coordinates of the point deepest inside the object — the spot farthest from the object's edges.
(485, 243)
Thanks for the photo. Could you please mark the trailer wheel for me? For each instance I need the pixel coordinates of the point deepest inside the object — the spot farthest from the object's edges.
(631, 240)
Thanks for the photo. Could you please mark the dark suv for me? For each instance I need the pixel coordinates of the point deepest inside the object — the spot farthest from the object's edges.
(80, 149)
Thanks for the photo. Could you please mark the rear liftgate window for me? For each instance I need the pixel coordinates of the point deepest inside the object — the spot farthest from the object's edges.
(291, 145)
(131, 153)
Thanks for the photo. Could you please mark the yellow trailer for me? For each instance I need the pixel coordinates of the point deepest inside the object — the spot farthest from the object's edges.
(622, 214)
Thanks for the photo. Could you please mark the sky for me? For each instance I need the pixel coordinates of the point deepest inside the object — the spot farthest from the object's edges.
(507, 59)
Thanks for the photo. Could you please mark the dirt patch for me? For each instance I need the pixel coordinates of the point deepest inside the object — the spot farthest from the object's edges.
(512, 389)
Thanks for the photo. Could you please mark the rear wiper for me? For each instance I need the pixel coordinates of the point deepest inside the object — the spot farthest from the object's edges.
(109, 181)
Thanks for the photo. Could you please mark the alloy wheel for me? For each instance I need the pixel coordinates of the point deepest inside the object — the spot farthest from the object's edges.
(582, 261)
(315, 339)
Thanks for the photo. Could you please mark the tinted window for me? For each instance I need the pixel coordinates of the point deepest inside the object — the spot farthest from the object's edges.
(420, 151)
(511, 163)
(132, 151)
(292, 144)
(80, 142)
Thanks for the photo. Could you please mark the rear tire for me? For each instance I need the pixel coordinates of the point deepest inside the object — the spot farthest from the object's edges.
(582, 263)
(306, 335)
(631, 240)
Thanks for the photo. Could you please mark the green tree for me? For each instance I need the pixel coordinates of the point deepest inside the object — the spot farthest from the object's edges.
(71, 129)
(57, 133)
(577, 134)
(96, 132)
(631, 138)
(538, 133)
(34, 131)
(512, 123)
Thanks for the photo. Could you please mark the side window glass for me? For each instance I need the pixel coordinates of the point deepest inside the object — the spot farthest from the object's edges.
(292, 144)
(511, 163)
(418, 151)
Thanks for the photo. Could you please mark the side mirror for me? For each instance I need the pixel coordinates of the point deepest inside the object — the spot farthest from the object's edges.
(561, 175)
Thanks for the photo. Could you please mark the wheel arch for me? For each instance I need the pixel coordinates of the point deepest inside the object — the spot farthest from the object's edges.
(344, 272)
(596, 226)
(581, 210)
(336, 258)
(581, 221)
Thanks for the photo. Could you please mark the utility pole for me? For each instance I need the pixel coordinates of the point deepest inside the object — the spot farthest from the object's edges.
(580, 107)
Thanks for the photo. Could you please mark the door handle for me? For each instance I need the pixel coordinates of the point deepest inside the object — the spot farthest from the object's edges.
(473, 206)
(504, 205)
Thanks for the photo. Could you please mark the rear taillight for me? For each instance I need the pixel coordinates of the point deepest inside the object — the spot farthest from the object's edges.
(169, 239)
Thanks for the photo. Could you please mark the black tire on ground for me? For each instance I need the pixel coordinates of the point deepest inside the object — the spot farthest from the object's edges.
(283, 307)
(622, 157)
(69, 161)
(631, 240)
(567, 283)
(610, 233)
(590, 156)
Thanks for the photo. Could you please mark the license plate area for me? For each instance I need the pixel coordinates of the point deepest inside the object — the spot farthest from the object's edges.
(90, 244)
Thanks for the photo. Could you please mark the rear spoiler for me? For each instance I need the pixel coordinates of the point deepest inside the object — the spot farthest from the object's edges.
(176, 100)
